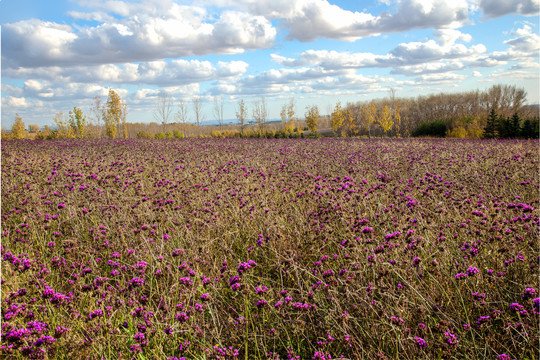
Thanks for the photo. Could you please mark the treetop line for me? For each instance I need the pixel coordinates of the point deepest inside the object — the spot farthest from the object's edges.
(498, 112)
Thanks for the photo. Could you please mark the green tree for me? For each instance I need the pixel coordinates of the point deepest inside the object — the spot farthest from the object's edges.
(112, 113)
(490, 131)
(18, 130)
(516, 125)
(312, 117)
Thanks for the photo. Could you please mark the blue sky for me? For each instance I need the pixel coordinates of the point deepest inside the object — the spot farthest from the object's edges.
(59, 54)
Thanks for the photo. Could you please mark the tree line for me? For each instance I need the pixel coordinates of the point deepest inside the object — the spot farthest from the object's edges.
(498, 112)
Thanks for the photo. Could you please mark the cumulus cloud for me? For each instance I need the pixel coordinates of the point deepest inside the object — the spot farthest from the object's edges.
(496, 8)
(160, 72)
(406, 58)
(525, 40)
(450, 36)
(307, 20)
(179, 32)
(16, 102)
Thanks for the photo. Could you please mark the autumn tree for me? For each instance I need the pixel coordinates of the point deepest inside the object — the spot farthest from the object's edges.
(124, 119)
(33, 128)
(338, 117)
(290, 123)
(18, 130)
(369, 114)
(112, 113)
(241, 114)
(385, 119)
(312, 117)
(63, 128)
(351, 127)
(77, 122)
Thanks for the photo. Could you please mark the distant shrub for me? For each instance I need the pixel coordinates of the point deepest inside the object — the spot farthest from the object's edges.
(436, 128)
(178, 134)
(144, 135)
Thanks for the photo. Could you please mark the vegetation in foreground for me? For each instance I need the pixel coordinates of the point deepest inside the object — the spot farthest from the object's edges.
(270, 249)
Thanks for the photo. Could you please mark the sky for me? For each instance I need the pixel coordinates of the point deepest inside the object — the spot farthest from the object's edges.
(58, 54)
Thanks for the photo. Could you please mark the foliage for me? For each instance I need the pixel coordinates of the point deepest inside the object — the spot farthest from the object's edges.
(338, 117)
(312, 117)
(177, 134)
(369, 114)
(385, 119)
(510, 128)
(77, 122)
(490, 131)
(436, 128)
(33, 128)
(113, 113)
(18, 130)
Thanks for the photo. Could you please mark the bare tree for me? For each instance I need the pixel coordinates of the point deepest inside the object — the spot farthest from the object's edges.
(218, 110)
(164, 109)
(197, 110)
(260, 113)
(181, 114)
(96, 113)
(241, 114)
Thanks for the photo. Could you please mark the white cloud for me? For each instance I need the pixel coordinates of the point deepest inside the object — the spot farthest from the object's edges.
(160, 72)
(33, 85)
(476, 74)
(525, 40)
(417, 52)
(441, 78)
(178, 32)
(496, 8)
(406, 58)
(450, 36)
(307, 20)
(17, 102)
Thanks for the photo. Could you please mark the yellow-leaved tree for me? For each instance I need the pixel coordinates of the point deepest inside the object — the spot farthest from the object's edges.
(369, 113)
(350, 123)
(18, 130)
(112, 113)
(312, 117)
(287, 116)
(338, 117)
(385, 119)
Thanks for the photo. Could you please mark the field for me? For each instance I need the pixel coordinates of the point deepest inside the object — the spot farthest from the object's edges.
(270, 249)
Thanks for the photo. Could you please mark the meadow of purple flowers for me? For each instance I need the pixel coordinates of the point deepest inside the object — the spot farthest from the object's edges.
(270, 249)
